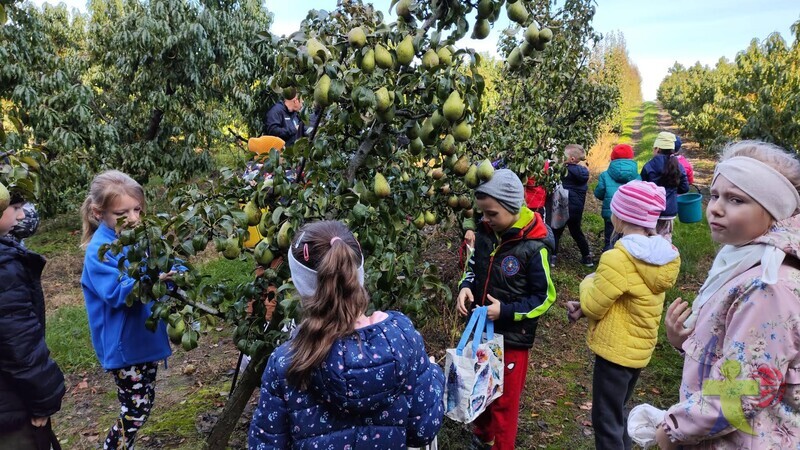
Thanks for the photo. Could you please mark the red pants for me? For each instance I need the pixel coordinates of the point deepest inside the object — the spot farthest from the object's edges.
(500, 420)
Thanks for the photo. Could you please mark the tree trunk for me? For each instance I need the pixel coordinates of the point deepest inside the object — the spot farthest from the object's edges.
(155, 118)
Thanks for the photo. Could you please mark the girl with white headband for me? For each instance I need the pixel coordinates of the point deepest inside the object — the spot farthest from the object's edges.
(741, 336)
(345, 380)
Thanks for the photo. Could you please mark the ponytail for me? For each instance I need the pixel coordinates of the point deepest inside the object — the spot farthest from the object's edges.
(90, 222)
(671, 176)
(339, 299)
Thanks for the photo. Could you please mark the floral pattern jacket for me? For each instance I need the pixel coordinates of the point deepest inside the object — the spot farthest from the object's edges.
(747, 340)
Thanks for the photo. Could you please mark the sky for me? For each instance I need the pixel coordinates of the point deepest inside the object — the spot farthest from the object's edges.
(657, 33)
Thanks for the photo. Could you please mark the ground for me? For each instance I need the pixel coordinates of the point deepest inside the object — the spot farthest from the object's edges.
(556, 408)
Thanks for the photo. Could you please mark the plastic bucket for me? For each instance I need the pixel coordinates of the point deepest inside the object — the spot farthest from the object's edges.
(690, 207)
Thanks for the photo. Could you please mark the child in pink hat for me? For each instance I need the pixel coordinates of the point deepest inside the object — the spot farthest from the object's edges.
(623, 301)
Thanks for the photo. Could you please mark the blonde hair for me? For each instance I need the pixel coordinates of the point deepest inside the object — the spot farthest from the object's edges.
(624, 228)
(575, 151)
(105, 189)
(776, 157)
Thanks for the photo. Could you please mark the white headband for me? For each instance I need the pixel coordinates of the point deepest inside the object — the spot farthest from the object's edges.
(764, 184)
(305, 278)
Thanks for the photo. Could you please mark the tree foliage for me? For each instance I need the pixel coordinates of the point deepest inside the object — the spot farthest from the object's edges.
(755, 97)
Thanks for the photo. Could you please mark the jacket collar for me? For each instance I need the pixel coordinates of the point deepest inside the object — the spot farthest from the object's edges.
(529, 226)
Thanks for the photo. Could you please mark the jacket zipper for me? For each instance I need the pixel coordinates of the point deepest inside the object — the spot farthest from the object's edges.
(489, 270)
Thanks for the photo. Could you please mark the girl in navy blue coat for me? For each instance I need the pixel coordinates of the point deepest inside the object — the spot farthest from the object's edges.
(126, 349)
(666, 171)
(31, 384)
(345, 380)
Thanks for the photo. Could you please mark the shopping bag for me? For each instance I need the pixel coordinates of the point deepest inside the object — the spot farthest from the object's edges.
(474, 369)
(643, 422)
(560, 207)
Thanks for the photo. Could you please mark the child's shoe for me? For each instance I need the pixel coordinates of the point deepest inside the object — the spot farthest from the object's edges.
(478, 444)
(587, 261)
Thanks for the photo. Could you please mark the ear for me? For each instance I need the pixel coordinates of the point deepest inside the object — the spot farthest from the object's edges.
(96, 213)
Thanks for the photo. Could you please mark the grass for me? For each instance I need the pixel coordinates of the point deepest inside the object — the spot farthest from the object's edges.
(649, 130)
(57, 236)
(69, 341)
(180, 419)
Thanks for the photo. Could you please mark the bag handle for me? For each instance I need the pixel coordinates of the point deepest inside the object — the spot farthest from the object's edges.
(476, 339)
(477, 313)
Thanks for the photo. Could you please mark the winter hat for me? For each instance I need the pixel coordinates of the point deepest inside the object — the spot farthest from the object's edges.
(665, 140)
(678, 143)
(639, 203)
(622, 151)
(505, 187)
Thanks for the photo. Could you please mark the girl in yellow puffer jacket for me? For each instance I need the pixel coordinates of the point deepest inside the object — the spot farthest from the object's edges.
(623, 301)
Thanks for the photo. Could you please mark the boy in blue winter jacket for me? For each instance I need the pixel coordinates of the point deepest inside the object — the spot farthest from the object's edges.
(31, 383)
(621, 170)
(576, 181)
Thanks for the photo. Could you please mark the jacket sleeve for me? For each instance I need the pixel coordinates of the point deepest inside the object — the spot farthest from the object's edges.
(683, 187)
(600, 190)
(24, 357)
(276, 124)
(427, 405)
(107, 281)
(541, 290)
(577, 175)
(645, 174)
(760, 344)
(269, 429)
(599, 292)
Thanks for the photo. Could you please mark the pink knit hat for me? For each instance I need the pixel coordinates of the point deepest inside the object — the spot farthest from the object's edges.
(639, 203)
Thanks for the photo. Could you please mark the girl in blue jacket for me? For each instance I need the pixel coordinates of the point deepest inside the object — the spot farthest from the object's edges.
(345, 380)
(666, 171)
(126, 349)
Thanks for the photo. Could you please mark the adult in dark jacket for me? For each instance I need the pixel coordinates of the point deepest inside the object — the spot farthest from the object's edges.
(576, 181)
(31, 383)
(283, 119)
(666, 171)
(509, 273)
(345, 380)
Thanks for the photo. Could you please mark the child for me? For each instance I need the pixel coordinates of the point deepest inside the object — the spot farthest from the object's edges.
(126, 349)
(623, 301)
(621, 170)
(687, 166)
(31, 383)
(665, 171)
(745, 317)
(576, 181)
(509, 273)
(345, 380)
(536, 194)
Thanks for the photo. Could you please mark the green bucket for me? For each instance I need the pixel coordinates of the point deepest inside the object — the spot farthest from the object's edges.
(690, 207)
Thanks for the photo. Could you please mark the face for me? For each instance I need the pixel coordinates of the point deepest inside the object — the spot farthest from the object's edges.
(13, 214)
(498, 218)
(734, 217)
(125, 207)
(295, 104)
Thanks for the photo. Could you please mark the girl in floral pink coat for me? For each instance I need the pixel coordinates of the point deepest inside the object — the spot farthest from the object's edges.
(741, 336)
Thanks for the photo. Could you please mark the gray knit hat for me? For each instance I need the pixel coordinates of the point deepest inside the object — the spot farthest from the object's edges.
(505, 187)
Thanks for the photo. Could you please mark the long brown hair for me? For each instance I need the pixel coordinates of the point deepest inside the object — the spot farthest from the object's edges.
(105, 189)
(339, 300)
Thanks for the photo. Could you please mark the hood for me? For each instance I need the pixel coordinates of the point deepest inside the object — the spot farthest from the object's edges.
(785, 236)
(529, 226)
(623, 170)
(660, 260)
(367, 370)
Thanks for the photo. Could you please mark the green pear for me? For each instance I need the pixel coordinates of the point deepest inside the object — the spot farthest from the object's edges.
(321, 91)
(485, 170)
(428, 134)
(383, 99)
(262, 253)
(462, 132)
(452, 201)
(264, 225)
(481, 30)
(5, 198)
(526, 48)
(232, 249)
(517, 12)
(419, 222)
(464, 202)
(316, 50)
(413, 131)
(468, 213)
(437, 174)
(471, 178)
(461, 166)
(416, 146)
(403, 8)
(253, 213)
(430, 60)
(453, 107)
(357, 37)
(405, 50)
(383, 58)
(485, 9)
(546, 35)
(532, 33)
(451, 160)
(283, 235)
(445, 56)
(380, 186)
(515, 58)
(448, 145)
(368, 61)
(430, 218)
(437, 120)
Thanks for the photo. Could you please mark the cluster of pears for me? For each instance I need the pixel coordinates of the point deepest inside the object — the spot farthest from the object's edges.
(535, 40)
(452, 114)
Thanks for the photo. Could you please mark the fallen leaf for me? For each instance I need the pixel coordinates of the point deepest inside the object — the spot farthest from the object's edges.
(655, 391)
(586, 406)
(587, 423)
(569, 404)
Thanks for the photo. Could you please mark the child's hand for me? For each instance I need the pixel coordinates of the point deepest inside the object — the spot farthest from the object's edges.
(166, 276)
(39, 422)
(493, 310)
(574, 311)
(469, 238)
(463, 296)
(677, 313)
(662, 440)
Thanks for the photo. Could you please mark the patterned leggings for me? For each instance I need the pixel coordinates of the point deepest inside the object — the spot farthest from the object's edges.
(135, 391)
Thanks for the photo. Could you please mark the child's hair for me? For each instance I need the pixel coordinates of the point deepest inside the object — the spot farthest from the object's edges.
(331, 250)
(671, 176)
(575, 151)
(770, 154)
(623, 228)
(105, 189)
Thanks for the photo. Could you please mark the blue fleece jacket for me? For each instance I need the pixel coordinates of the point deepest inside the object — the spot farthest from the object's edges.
(653, 171)
(119, 336)
(619, 172)
(376, 390)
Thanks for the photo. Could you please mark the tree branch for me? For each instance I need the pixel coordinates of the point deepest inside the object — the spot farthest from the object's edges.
(362, 152)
